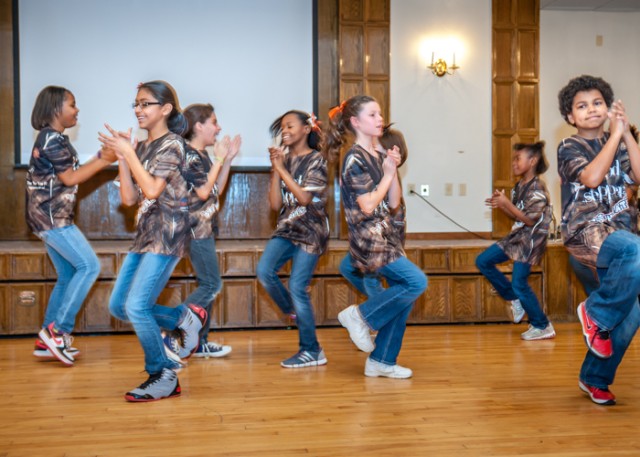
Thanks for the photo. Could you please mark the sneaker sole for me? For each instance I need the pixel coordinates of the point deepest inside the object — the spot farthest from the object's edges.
(596, 401)
(382, 375)
(366, 350)
(539, 338)
(207, 355)
(586, 336)
(132, 399)
(314, 363)
(53, 349)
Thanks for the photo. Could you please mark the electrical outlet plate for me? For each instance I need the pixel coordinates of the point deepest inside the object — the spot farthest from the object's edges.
(424, 190)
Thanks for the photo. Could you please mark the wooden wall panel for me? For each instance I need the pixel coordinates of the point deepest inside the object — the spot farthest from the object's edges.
(27, 302)
(377, 10)
(351, 10)
(467, 296)
(377, 51)
(351, 48)
(94, 315)
(516, 72)
(238, 303)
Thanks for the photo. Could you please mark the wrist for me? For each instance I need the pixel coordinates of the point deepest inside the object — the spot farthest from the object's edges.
(218, 159)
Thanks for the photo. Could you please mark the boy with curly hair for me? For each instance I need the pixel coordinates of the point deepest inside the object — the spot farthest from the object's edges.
(594, 167)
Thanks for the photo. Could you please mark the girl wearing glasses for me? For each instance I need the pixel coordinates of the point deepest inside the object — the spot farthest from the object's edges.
(151, 175)
(52, 183)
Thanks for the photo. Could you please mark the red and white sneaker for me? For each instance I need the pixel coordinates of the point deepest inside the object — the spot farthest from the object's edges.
(55, 343)
(41, 350)
(599, 396)
(597, 340)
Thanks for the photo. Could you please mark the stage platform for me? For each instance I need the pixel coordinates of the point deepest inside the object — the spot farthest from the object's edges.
(456, 293)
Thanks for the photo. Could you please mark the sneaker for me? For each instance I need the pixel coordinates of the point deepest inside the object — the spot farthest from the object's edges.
(305, 359)
(190, 326)
(55, 342)
(375, 369)
(160, 385)
(41, 350)
(539, 333)
(358, 330)
(210, 349)
(517, 311)
(597, 340)
(599, 396)
(173, 349)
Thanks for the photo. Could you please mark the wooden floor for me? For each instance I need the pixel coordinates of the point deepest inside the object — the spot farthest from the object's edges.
(477, 390)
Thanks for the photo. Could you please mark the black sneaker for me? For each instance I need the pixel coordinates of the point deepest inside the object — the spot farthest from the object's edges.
(160, 385)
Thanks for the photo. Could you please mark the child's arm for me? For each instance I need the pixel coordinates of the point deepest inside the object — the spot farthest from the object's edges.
(369, 202)
(151, 186)
(71, 177)
(223, 176)
(618, 110)
(500, 200)
(220, 152)
(395, 190)
(128, 193)
(304, 197)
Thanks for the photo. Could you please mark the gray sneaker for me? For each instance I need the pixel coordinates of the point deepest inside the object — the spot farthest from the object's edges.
(160, 385)
(190, 325)
(539, 333)
(517, 311)
(305, 359)
(359, 331)
(211, 349)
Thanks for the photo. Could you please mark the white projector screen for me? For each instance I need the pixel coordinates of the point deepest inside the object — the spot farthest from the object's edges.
(251, 59)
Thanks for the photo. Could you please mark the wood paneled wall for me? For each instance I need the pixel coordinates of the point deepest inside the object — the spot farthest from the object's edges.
(516, 71)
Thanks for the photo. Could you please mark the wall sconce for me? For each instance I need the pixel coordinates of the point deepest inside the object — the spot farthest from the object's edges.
(440, 68)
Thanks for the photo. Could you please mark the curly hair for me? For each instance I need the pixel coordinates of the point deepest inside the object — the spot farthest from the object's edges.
(580, 84)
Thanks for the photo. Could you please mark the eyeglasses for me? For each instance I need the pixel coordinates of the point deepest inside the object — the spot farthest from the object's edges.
(134, 105)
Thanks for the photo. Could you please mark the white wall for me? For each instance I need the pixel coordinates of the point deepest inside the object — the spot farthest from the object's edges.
(441, 116)
(568, 49)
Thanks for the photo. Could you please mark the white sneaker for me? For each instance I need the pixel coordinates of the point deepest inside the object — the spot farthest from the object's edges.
(358, 330)
(375, 369)
(539, 333)
(517, 311)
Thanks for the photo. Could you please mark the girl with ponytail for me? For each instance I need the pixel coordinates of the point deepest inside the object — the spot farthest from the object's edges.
(370, 192)
(151, 175)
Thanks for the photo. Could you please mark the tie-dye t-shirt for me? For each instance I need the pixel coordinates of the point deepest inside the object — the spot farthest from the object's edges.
(163, 222)
(306, 226)
(50, 204)
(525, 243)
(374, 240)
(590, 215)
(201, 212)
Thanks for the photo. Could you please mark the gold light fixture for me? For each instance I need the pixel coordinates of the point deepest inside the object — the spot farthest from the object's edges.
(440, 67)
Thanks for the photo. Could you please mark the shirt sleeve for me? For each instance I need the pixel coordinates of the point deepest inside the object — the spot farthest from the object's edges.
(59, 152)
(535, 203)
(355, 177)
(572, 160)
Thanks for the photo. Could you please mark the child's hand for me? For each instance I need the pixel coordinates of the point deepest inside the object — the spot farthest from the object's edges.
(108, 154)
(221, 148)
(395, 154)
(235, 147)
(276, 155)
(618, 118)
(389, 165)
(119, 142)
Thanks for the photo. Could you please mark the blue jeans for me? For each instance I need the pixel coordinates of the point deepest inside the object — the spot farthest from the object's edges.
(77, 267)
(133, 299)
(276, 253)
(519, 288)
(387, 312)
(204, 260)
(369, 284)
(601, 372)
(618, 267)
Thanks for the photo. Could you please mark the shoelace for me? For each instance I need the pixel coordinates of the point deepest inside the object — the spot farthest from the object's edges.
(68, 339)
(211, 347)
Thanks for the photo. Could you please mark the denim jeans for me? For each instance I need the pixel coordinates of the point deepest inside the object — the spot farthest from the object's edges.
(276, 253)
(601, 372)
(519, 288)
(204, 260)
(618, 267)
(77, 267)
(387, 312)
(133, 299)
(369, 284)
